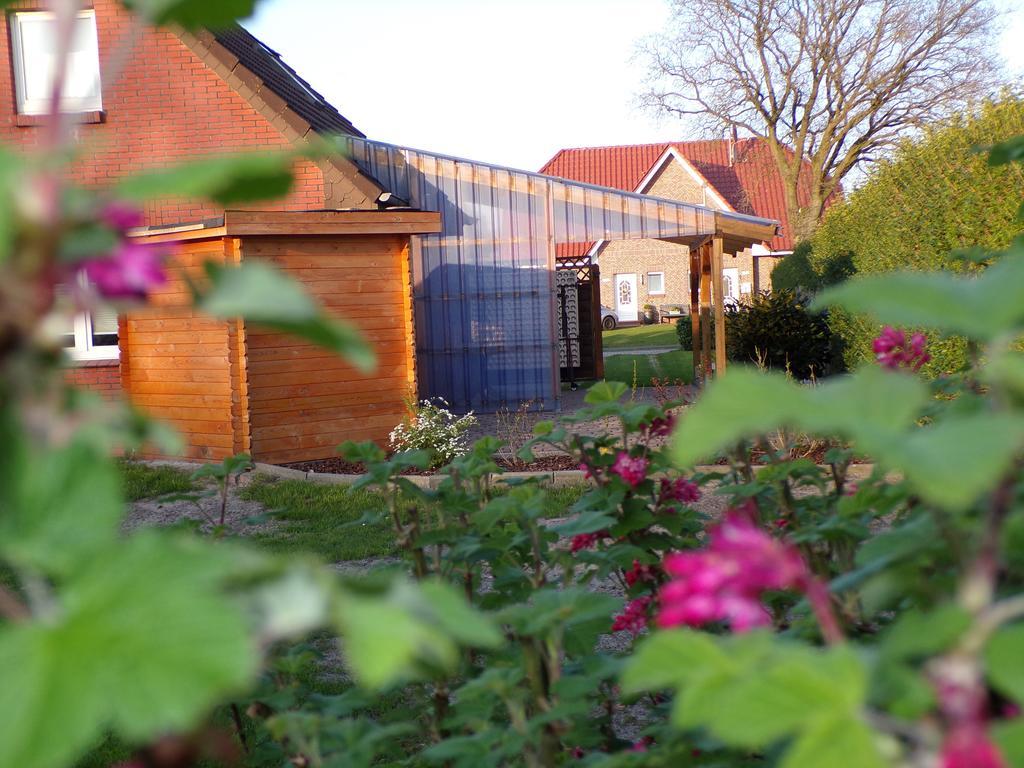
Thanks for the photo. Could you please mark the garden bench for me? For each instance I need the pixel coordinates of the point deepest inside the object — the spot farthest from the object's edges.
(669, 312)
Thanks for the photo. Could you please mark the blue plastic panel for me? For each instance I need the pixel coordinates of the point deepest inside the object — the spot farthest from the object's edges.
(483, 288)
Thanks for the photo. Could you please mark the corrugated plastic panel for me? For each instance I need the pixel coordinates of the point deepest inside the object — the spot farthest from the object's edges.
(483, 295)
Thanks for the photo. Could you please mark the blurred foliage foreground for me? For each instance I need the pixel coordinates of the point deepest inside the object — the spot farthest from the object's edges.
(819, 622)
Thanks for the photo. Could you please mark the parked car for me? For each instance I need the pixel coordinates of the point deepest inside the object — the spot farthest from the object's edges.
(608, 318)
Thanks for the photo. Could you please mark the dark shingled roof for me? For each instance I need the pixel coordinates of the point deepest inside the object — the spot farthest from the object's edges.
(300, 97)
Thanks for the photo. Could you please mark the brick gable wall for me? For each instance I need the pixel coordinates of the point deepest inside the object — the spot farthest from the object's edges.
(167, 106)
(641, 257)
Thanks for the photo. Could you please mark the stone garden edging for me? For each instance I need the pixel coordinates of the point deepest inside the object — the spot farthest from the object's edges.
(555, 478)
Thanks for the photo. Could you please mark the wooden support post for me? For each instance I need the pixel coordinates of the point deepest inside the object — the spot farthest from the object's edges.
(695, 308)
(705, 313)
(719, 298)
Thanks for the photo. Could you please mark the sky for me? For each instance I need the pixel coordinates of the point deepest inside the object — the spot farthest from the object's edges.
(508, 82)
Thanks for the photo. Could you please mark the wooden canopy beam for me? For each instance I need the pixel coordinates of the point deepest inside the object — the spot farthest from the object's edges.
(718, 294)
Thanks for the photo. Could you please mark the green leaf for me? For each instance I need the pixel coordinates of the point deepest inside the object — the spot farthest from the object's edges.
(1009, 737)
(870, 406)
(408, 631)
(457, 617)
(585, 523)
(916, 634)
(784, 694)
(261, 294)
(743, 403)
(952, 463)
(60, 506)
(142, 643)
(1004, 661)
(671, 658)
(981, 307)
(605, 392)
(835, 742)
(226, 180)
(1009, 151)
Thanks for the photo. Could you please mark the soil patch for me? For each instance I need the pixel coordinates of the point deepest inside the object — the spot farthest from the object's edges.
(339, 466)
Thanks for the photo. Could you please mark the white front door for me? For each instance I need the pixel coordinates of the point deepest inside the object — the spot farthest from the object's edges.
(731, 284)
(625, 298)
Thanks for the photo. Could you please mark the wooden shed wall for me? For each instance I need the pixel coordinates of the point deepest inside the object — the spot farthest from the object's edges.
(305, 401)
(182, 367)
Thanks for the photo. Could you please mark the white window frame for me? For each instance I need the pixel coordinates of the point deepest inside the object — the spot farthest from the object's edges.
(656, 293)
(20, 55)
(84, 349)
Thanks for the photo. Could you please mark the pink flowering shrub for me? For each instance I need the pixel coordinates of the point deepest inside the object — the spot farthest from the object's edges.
(893, 350)
(130, 270)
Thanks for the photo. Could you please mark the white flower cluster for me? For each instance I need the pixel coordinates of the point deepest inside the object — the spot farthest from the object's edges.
(432, 427)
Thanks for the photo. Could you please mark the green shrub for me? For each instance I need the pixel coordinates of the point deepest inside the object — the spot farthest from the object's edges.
(795, 272)
(684, 330)
(934, 196)
(777, 330)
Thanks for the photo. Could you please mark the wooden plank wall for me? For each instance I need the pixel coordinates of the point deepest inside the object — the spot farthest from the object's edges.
(305, 401)
(176, 363)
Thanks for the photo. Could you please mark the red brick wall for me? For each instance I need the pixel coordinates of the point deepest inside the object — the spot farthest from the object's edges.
(166, 107)
(103, 376)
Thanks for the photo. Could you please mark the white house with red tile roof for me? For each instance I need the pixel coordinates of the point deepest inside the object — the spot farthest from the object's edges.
(728, 175)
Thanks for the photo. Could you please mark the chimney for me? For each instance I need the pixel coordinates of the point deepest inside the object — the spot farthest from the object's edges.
(733, 138)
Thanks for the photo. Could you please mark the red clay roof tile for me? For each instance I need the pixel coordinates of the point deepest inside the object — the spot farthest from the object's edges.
(751, 185)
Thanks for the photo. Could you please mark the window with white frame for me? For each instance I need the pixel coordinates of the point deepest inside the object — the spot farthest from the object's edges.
(90, 335)
(656, 283)
(34, 51)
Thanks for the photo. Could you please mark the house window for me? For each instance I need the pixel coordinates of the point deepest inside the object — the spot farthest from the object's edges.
(656, 283)
(90, 335)
(34, 44)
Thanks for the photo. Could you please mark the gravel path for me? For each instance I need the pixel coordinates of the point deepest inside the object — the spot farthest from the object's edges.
(204, 509)
(497, 424)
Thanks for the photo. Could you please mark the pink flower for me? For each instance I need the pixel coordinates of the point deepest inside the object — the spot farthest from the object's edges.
(1010, 710)
(131, 272)
(893, 351)
(585, 469)
(967, 745)
(633, 471)
(586, 541)
(122, 216)
(678, 490)
(662, 427)
(640, 573)
(634, 618)
(724, 582)
(641, 745)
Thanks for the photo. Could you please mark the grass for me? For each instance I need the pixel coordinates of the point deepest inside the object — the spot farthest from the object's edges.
(641, 337)
(145, 481)
(670, 365)
(312, 518)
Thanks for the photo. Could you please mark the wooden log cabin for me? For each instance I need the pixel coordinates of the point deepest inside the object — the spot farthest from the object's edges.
(231, 387)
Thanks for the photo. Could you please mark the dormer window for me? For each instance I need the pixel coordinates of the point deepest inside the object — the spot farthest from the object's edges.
(34, 49)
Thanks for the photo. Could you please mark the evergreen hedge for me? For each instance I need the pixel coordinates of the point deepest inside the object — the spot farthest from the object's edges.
(937, 194)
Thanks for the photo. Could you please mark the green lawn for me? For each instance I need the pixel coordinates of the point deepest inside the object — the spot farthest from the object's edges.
(312, 518)
(145, 481)
(670, 365)
(641, 336)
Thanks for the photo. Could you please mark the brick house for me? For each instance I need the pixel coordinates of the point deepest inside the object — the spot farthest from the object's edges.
(446, 266)
(727, 175)
(178, 97)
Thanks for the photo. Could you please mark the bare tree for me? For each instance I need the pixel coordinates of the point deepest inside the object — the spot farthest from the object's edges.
(828, 84)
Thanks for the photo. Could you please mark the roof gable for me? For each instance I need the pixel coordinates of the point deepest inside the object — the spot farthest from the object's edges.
(751, 185)
(285, 82)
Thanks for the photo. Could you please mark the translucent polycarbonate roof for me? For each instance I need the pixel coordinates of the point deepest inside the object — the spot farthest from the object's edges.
(483, 288)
